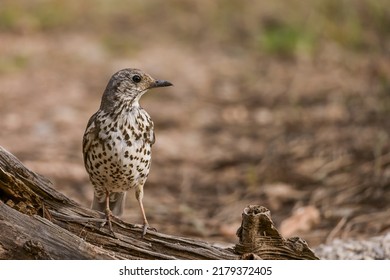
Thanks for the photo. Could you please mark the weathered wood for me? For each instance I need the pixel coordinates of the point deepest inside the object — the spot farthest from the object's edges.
(258, 238)
(37, 222)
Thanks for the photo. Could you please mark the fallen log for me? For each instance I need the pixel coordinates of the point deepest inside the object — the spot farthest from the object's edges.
(38, 222)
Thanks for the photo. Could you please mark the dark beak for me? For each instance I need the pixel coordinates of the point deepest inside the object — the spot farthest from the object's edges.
(161, 83)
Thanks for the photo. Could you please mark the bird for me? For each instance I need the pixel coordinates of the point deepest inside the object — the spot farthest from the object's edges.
(117, 143)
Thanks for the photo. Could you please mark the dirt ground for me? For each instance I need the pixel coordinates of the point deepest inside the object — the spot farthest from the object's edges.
(303, 133)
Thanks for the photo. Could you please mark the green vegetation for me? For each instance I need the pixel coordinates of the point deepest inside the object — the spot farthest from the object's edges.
(285, 40)
(13, 63)
(277, 28)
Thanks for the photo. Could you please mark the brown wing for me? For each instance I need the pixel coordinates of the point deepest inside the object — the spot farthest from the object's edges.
(90, 134)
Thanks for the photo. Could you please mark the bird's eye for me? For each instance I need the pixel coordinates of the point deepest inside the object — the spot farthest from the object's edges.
(136, 78)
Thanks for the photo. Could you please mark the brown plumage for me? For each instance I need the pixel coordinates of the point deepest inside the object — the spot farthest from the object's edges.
(117, 143)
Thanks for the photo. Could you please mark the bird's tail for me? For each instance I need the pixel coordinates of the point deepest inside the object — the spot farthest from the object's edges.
(117, 203)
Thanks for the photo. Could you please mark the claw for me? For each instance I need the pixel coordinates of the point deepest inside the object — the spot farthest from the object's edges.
(108, 221)
(108, 214)
(145, 228)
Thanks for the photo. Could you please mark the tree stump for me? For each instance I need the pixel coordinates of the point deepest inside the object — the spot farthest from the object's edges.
(37, 222)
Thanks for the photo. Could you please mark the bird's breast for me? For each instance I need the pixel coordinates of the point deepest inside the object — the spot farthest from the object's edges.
(120, 156)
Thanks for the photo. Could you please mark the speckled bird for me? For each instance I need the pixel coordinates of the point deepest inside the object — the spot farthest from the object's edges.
(117, 143)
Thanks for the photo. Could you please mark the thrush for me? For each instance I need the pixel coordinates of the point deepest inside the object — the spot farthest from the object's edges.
(117, 143)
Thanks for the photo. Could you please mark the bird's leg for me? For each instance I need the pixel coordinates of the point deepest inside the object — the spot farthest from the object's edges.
(139, 195)
(108, 212)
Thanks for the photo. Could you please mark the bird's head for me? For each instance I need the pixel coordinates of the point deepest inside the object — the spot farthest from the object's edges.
(128, 85)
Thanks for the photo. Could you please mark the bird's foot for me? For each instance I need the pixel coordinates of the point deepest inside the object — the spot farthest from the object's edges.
(145, 228)
(108, 221)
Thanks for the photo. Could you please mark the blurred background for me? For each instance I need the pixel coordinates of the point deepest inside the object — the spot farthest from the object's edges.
(284, 104)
